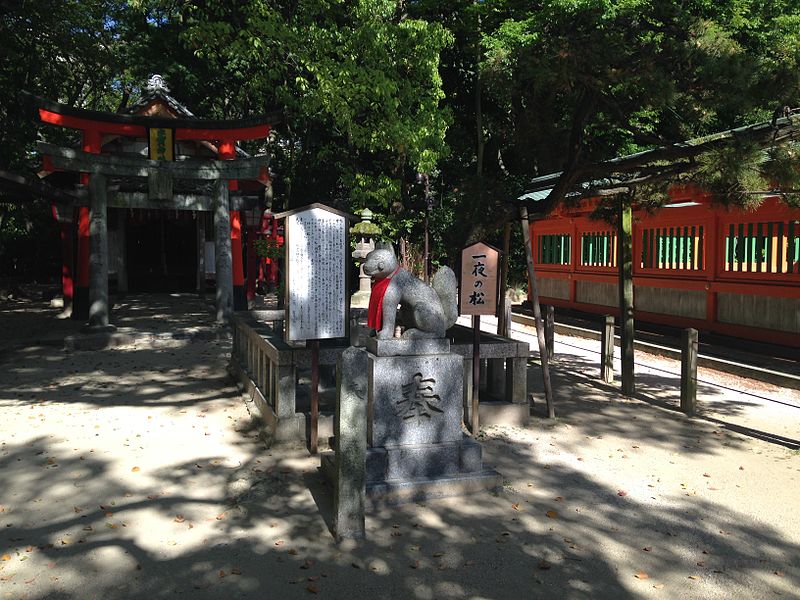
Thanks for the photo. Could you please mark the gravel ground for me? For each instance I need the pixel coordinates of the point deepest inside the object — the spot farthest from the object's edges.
(135, 472)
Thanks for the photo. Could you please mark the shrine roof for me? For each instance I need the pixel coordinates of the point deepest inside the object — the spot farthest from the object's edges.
(156, 90)
(184, 121)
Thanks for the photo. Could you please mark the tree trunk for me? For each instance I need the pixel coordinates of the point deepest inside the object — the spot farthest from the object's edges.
(625, 266)
(537, 313)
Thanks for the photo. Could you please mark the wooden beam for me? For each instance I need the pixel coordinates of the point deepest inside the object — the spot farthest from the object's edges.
(68, 159)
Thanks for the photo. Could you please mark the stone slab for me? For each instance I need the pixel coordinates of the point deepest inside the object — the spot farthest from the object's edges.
(401, 347)
(426, 461)
(414, 400)
(418, 490)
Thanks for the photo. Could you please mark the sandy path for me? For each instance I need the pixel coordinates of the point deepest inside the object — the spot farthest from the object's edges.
(133, 473)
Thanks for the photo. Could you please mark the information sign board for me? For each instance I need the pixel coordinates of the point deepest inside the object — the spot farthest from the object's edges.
(316, 268)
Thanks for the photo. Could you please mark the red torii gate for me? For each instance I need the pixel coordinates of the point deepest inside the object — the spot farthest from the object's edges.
(94, 125)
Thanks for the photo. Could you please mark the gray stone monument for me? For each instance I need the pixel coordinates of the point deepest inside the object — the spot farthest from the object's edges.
(415, 446)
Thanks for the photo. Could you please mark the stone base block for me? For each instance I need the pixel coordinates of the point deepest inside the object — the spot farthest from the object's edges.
(395, 463)
(418, 490)
(503, 413)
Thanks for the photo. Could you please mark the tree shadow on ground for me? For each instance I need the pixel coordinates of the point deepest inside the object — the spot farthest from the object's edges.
(572, 374)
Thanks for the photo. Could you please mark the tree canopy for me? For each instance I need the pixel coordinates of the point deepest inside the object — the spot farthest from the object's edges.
(481, 96)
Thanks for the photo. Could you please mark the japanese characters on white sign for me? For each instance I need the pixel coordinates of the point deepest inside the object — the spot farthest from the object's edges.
(316, 242)
(479, 274)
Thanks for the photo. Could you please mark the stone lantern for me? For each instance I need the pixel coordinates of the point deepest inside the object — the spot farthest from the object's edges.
(363, 232)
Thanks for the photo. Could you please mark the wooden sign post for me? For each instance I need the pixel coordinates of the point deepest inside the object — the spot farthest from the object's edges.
(478, 296)
(316, 284)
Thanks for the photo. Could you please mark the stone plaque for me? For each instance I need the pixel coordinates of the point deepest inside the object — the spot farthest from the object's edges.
(414, 399)
(316, 269)
(479, 276)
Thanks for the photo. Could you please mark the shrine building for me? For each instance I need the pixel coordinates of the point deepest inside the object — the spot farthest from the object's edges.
(155, 200)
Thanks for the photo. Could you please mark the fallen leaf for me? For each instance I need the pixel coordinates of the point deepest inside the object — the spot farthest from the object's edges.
(558, 498)
(6, 557)
(222, 574)
(236, 571)
(293, 551)
(622, 493)
(544, 565)
(179, 518)
(779, 573)
(220, 516)
(642, 575)
(659, 586)
(706, 475)
(551, 514)
(647, 548)
(695, 577)
(515, 506)
(437, 554)
(77, 509)
(279, 543)
(313, 589)
(135, 470)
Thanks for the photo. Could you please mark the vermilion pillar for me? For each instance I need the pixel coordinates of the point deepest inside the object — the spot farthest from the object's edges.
(227, 151)
(239, 297)
(80, 305)
(252, 261)
(92, 140)
(65, 219)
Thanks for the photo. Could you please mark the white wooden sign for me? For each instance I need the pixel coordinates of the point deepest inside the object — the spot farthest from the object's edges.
(316, 273)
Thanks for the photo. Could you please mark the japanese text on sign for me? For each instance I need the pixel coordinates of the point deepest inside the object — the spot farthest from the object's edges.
(478, 293)
(316, 293)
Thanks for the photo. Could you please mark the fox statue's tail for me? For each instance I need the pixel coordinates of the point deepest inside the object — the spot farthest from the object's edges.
(446, 286)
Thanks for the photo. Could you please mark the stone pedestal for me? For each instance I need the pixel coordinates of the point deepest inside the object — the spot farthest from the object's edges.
(416, 448)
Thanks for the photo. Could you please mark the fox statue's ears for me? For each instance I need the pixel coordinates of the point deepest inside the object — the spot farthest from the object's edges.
(384, 246)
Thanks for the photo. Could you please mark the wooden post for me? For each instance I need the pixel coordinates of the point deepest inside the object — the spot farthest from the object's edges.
(98, 258)
(201, 252)
(122, 255)
(689, 343)
(503, 322)
(314, 395)
(550, 331)
(607, 350)
(476, 372)
(537, 312)
(625, 266)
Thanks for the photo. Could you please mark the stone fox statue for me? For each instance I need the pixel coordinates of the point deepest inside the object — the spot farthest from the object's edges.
(427, 311)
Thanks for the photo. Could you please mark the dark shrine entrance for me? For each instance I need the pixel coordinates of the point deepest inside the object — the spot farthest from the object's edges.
(161, 250)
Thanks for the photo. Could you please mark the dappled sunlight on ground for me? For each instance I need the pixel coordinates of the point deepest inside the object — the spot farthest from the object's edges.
(136, 472)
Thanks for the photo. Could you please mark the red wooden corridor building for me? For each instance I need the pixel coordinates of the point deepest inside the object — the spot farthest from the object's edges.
(733, 272)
